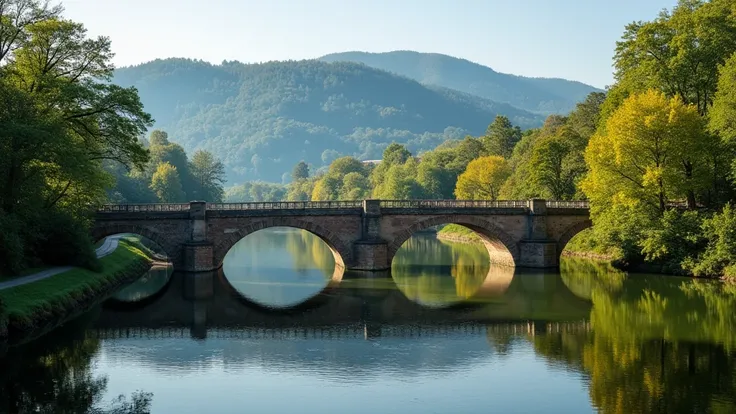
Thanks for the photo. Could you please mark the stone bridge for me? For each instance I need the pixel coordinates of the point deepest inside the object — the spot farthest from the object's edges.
(363, 235)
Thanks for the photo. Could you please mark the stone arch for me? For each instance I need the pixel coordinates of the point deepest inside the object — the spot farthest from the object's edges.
(341, 251)
(502, 248)
(101, 230)
(571, 232)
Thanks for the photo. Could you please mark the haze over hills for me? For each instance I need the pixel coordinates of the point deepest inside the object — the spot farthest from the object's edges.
(541, 95)
(261, 119)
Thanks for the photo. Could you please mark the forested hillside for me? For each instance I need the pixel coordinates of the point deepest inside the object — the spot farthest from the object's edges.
(541, 95)
(261, 119)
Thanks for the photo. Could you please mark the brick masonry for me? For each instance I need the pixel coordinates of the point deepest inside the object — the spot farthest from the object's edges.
(360, 238)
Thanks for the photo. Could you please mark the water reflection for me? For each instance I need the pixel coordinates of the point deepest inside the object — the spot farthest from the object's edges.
(280, 267)
(147, 286)
(57, 375)
(587, 338)
(437, 273)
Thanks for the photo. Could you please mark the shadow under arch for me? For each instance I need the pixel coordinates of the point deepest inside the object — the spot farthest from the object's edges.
(99, 232)
(500, 245)
(571, 232)
(341, 251)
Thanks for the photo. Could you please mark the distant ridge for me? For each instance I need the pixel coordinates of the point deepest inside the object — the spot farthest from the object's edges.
(540, 95)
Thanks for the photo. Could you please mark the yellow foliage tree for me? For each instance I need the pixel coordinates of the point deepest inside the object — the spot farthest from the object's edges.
(653, 150)
(482, 178)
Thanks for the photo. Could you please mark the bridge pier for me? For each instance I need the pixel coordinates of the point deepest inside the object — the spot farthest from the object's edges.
(199, 252)
(371, 251)
(537, 249)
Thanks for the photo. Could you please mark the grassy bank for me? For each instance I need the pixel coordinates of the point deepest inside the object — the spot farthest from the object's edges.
(35, 307)
(458, 233)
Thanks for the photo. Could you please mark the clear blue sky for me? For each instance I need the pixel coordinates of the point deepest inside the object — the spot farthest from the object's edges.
(572, 39)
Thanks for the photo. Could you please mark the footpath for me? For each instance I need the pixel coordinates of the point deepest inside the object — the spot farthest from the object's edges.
(109, 246)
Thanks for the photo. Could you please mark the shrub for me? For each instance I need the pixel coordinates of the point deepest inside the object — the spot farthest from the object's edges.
(12, 245)
(66, 241)
(676, 239)
(719, 257)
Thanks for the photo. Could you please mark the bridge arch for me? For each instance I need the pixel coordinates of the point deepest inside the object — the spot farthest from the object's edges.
(102, 230)
(341, 251)
(501, 246)
(571, 232)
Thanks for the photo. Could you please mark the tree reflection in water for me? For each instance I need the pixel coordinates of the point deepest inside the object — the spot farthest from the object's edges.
(437, 273)
(658, 344)
(53, 375)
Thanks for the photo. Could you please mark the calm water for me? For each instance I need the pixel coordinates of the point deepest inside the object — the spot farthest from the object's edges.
(279, 329)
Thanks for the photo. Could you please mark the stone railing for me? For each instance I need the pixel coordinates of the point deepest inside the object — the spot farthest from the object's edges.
(567, 204)
(122, 208)
(454, 204)
(353, 204)
(286, 205)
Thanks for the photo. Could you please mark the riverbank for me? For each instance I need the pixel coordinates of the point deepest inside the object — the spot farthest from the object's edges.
(578, 248)
(29, 310)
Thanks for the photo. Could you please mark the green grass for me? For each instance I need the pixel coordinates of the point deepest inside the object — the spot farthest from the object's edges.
(461, 232)
(25, 305)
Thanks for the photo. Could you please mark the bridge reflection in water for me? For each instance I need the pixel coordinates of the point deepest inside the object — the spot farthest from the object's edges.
(205, 304)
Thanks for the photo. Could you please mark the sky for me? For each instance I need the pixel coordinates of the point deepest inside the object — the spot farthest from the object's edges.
(571, 39)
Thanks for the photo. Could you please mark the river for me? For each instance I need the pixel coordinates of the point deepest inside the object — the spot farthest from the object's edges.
(280, 329)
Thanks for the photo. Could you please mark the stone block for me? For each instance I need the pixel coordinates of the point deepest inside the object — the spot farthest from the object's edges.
(370, 255)
(198, 257)
(538, 254)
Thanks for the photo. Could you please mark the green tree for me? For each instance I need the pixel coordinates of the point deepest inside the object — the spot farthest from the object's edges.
(501, 137)
(300, 172)
(209, 175)
(679, 52)
(650, 153)
(60, 119)
(722, 119)
(355, 186)
(166, 184)
(584, 120)
(327, 188)
(483, 178)
(158, 138)
(557, 164)
(395, 154)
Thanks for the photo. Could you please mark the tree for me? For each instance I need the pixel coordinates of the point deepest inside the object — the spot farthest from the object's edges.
(166, 184)
(158, 138)
(585, 118)
(395, 154)
(355, 186)
(679, 52)
(557, 163)
(501, 137)
(300, 172)
(327, 188)
(61, 119)
(650, 153)
(345, 165)
(209, 175)
(722, 119)
(483, 178)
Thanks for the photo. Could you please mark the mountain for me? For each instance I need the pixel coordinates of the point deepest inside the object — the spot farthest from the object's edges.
(261, 119)
(541, 95)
